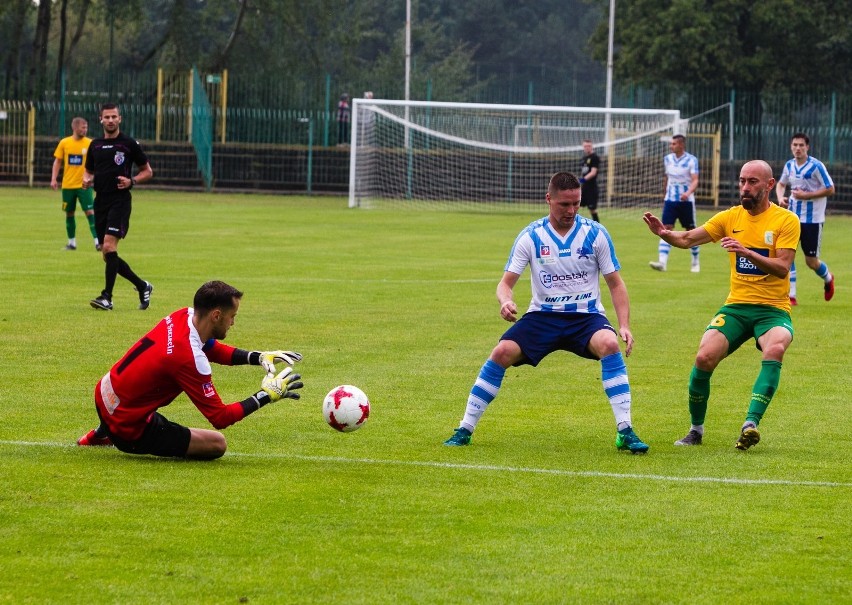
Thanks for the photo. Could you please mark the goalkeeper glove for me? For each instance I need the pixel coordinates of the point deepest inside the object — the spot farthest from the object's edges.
(282, 385)
(270, 358)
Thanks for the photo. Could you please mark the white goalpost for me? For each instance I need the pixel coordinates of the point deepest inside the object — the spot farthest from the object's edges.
(496, 157)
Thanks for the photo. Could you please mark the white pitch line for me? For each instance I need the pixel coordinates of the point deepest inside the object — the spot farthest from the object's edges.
(500, 469)
(548, 471)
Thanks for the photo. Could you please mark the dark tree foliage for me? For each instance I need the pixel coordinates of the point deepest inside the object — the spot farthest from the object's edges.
(733, 43)
(458, 47)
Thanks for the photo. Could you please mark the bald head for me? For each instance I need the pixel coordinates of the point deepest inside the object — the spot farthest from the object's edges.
(758, 166)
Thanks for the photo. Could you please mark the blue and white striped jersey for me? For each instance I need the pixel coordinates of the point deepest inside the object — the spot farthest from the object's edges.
(565, 272)
(811, 176)
(679, 171)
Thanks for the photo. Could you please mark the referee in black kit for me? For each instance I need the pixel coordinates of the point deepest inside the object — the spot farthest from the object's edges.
(109, 166)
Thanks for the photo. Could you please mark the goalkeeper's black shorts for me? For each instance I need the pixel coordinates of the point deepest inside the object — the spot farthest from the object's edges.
(161, 437)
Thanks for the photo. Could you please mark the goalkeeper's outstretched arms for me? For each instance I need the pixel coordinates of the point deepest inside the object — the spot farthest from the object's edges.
(273, 388)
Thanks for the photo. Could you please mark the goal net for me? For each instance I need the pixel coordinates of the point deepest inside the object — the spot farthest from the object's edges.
(483, 156)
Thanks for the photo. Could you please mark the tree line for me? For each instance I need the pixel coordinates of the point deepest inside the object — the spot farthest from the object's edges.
(773, 44)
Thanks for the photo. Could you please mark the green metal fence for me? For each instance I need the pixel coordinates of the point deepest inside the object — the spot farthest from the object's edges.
(247, 110)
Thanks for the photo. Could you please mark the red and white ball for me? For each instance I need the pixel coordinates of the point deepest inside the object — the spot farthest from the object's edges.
(346, 408)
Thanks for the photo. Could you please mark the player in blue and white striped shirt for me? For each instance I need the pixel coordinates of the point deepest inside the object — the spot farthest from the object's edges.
(567, 254)
(679, 205)
(810, 186)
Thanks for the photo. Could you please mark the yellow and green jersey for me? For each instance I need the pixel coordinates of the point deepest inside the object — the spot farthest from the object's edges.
(766, 233)
(73, 153)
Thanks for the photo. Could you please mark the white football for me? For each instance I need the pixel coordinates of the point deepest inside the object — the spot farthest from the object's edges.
(346, 408)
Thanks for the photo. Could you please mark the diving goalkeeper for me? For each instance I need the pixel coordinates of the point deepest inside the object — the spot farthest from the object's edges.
(174, 358)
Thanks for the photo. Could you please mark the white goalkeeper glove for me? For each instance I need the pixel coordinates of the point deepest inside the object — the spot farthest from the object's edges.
(283, 385)
(268, 359)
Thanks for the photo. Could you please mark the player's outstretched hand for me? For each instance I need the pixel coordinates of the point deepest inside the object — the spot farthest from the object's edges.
(654, 224)
(268, 359)
(283, 385)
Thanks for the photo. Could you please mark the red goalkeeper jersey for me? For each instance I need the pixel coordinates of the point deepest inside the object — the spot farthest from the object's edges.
(167, 361)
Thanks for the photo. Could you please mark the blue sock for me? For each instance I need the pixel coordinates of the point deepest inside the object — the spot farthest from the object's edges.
(484, 391)
(617, 388)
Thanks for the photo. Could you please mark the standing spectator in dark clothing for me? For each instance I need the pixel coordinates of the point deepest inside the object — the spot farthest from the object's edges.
(109, 168)
(343, 118)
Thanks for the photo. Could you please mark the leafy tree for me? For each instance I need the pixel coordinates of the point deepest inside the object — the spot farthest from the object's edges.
(38, 59)
(439, 64)
(14, 27)
(732, 43)
(543, 40)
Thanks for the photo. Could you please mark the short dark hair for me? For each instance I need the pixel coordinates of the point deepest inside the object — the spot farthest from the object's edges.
(106, 106)
(562, 181)
(215, 295)
(679, 136)
(801, 135)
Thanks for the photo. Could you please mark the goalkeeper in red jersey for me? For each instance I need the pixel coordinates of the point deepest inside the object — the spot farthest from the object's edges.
(174, 358)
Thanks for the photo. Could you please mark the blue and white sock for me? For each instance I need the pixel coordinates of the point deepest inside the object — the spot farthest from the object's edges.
(663, 249)
(793, 280)
(694, 251)
(823, 272)
(617, 388)
(484, 391)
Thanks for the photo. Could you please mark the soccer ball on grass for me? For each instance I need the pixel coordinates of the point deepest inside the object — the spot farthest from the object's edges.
(346, 408)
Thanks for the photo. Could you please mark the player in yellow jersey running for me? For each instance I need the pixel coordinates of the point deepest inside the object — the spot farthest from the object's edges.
(70, 156)
(761, 238)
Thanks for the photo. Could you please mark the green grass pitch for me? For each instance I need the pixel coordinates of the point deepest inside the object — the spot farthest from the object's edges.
(540, 509)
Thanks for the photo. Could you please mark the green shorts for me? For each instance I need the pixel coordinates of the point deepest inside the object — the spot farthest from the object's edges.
(70, 197)
(740, 322)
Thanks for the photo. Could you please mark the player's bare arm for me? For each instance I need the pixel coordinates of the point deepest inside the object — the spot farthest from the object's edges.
(801, 194)
(693, 185)
(780, 191)
(88, 179)
(621, 302)
(508, 308)
(54, 173)
(145, 173)
(679, 239)
(778, 266)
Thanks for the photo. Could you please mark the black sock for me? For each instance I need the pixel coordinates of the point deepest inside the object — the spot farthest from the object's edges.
(127, 273)
(111, 259)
